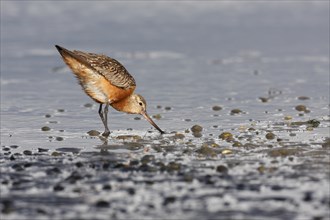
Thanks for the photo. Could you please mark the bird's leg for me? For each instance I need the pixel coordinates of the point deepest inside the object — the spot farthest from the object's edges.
(104, 117)
(106, 131)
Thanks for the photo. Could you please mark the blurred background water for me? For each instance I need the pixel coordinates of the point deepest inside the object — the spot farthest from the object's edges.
(188, 56)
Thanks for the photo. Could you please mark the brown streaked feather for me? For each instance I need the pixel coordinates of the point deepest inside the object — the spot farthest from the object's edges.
(108, 67)
(94, 84)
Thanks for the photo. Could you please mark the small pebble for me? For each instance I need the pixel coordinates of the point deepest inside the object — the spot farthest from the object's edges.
(88, 105)
(263, 99)
(197, 134)
(288, 117)
(168, 108)
(270, 136)
(158, 106)
(173, 166)
(45, 128)
(58, 188)
(206, 151)
(303, 98)
(40, 150)
(106, 187)
(309, 128)
(196, 128)
(93, 133)
(301, 108)
(102, 204)
(237, 144)
(60, 110)
(235, 111)
(56, 154)
(179, 136)
(216, 108)
(59, 138)
(157, 116)
(147, 158)
(13, 146)
(48, 115)
(226, 151)
(168, 200)
(222, 169)
(137, 118)
(226, 136)
(27, 152)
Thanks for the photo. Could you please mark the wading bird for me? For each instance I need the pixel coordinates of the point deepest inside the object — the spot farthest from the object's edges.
(107, 82)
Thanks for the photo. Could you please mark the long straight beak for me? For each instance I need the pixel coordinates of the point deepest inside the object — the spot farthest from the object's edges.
(152, 122)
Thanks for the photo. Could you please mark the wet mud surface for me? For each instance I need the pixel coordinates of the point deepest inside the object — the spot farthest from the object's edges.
(247, 123)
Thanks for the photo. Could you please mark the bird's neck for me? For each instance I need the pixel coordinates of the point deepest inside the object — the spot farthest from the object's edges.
(124, 105)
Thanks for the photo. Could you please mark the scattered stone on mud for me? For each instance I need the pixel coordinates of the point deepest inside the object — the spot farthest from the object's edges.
(157, 116)
(326, 143)
(303, 98)
(41, 150)
(107, 187)
(196, 128)
(206, 151)
(137, 118)
(301, 108)
(48, 115)
(147, 159)
(88, 105)
(226, 151)
(102, 204)
(56, 154)
(169, 200)
(288, 117)
(14, 146)
(7, 206)
(262, 169)
(270, 136)
(222, 169)
(179, 136)
(235, 111)
(227, 136)
(158, 106)
(284, 152)
(45, 128)
(27, 152)
(168, 108)
(263, 99)
(173, 166)
(313, 123)
(59, 138)
(69, 150)
(216, 108)
(128, 137)
(60, 110)
(93, 133)
(58, 188)
(237, 144)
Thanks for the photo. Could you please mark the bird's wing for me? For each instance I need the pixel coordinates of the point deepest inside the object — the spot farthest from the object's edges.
(110, 68)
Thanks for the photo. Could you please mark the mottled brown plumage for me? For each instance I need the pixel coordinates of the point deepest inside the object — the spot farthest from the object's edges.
(107, 82)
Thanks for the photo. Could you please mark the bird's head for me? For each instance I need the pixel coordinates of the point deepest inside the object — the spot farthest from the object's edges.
(138, 105)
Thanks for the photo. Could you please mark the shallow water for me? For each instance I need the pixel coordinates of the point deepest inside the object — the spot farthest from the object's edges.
(263, 59)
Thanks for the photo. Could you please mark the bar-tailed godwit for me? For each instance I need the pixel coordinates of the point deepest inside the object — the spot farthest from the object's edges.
(107, 82)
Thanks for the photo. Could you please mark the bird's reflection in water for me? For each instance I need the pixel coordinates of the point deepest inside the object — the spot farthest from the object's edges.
(111, 146)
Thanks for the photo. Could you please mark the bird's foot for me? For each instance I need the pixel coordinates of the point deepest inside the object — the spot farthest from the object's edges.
(106, 134)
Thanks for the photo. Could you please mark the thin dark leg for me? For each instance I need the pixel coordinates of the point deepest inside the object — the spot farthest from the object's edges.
(106, 132)
(103, 116)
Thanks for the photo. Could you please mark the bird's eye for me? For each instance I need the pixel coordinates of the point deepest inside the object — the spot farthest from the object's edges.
(140, 103)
